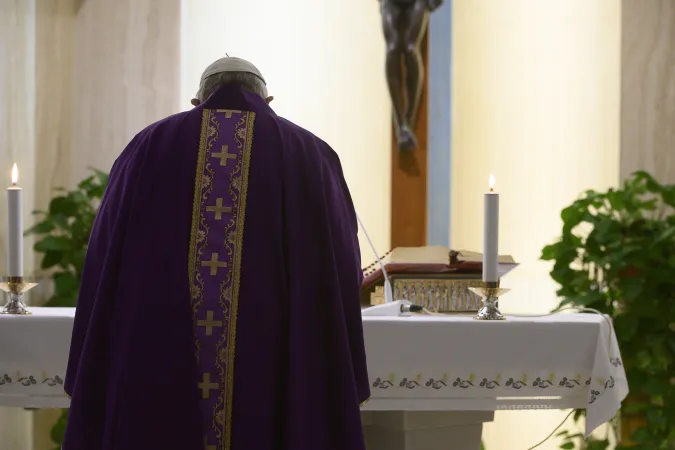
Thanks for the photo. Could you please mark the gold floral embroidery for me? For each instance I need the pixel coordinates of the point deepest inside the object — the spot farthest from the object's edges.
(236, 184)
(248, 126)
(223, 355)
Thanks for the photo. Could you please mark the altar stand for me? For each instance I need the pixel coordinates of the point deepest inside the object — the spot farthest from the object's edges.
(434, 379)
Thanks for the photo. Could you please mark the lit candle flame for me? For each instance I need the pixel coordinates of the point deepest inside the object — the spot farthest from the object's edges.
(15, 175)
(492, 183)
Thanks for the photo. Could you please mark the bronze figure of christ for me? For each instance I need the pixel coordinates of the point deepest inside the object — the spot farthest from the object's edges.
(404, 22)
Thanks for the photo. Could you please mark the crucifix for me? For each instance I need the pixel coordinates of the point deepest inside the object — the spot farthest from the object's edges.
(224, 155)
(404, 23)
(214, 264)
(209, 323)
(206, 386)
(219, 209)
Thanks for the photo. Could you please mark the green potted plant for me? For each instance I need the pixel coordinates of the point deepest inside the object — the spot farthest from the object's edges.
(62, 235)
(617, 255)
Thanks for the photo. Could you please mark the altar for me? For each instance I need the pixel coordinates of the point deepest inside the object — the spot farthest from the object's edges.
(434, 379)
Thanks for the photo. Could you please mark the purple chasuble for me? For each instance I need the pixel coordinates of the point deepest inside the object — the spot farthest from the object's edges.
(219, 306)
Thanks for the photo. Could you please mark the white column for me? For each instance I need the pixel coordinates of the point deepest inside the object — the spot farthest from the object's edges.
(17, 144)
(324, 63)
(536, 95)
(55, 95)
(127, 68)
(648, 88)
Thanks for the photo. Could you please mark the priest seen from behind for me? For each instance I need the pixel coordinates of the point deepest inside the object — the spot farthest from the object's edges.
(219, 306)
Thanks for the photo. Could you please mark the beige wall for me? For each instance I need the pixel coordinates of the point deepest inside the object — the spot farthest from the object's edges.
(536, 102)
(126, 75)
(648, 88)
(324, 64)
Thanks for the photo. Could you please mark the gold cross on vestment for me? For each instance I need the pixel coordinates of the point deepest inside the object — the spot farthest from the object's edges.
(207, 446)
(206, 386)
(229, 112)
(209, 323)
(219, 209)
(224, 155)
(214, 264)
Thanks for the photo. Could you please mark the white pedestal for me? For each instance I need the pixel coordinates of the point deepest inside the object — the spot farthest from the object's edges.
(16, 429)
(411, 430)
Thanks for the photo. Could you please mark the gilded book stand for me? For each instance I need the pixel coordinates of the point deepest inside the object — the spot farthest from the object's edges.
(432, 277)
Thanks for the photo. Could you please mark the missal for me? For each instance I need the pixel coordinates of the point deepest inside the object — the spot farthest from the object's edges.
(434, 277)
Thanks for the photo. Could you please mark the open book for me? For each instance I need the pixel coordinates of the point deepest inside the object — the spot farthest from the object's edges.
(437, 271)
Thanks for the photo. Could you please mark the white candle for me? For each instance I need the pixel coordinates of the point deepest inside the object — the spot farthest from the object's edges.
(15, 228)
(491, 234)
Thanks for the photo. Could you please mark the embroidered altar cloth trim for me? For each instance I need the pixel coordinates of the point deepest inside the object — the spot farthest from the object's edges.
(458, 363)
(432, 363)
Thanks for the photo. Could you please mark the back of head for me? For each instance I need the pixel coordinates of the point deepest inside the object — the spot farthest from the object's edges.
(231, 70)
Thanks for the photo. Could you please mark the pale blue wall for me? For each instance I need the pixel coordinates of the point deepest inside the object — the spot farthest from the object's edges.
(438, 179)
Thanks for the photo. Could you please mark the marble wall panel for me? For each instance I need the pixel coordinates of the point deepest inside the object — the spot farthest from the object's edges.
(126, 75)
(17, 95)
(54, 83)
(648, 88)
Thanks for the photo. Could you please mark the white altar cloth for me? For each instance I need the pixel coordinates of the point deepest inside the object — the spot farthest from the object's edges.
(33, 356)
(456, 363)
(418, 363)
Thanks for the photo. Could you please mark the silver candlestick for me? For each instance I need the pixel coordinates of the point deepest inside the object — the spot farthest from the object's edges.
(490, 293)
(15, 287)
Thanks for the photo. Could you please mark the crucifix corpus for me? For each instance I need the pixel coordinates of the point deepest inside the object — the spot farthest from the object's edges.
(404, 22)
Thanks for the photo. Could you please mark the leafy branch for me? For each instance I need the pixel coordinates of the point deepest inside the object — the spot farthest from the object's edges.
(617, 255)
(62, 238)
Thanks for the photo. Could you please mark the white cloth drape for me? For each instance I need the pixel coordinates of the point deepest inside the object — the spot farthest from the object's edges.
(418, 363)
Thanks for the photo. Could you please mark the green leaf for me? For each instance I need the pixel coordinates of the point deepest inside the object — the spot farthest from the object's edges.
(51, 259)
(597, 445)
(58, 432)
(550, 252)
(65, 284)
(60, 221)
(578, 414)
(78, 259)
(640, 436)
(631, 287)
(52, 243)
(42, 227)
(626, 325)
(567, 446)
(63, 301)
(63, 206)
(572, 215)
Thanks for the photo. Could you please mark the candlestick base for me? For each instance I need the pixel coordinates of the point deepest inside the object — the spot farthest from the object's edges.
(15, 287)
(490, 293)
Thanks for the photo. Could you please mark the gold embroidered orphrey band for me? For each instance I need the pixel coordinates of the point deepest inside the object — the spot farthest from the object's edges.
(216, 240)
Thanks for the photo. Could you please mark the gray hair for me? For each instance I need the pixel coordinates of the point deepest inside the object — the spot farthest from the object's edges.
(246, 80)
